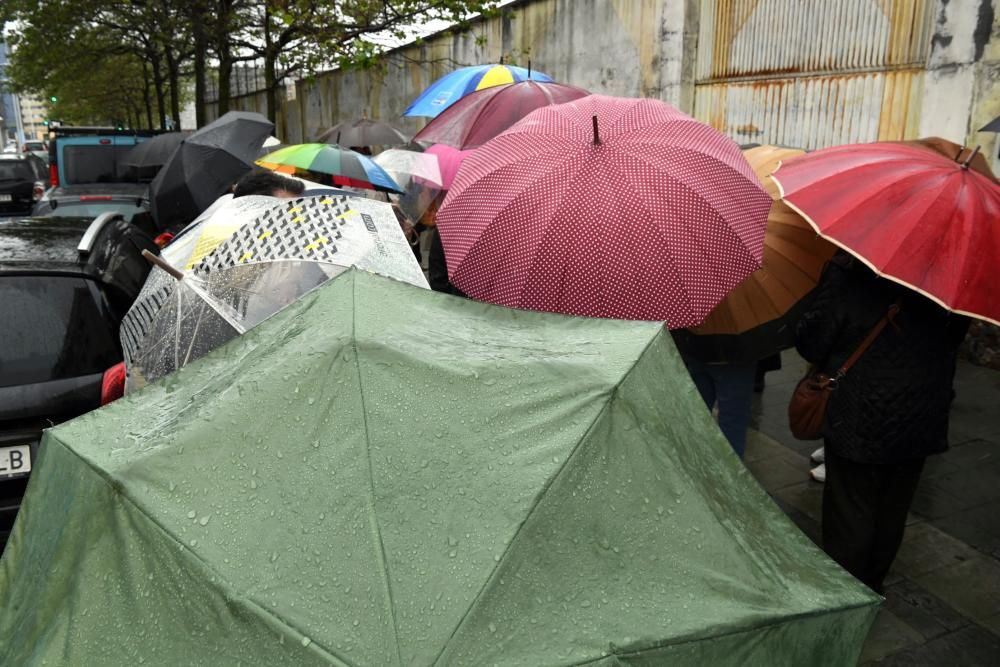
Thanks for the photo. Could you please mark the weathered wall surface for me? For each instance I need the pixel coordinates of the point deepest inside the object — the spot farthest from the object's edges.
(962, 84)
(806, 73)
(615, 47)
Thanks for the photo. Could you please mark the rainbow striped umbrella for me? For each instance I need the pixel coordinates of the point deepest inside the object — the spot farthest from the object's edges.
(343, 166)
(455, 85)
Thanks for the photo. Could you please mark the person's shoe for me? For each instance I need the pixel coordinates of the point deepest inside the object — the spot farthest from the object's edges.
(819, 456)
(819, 473)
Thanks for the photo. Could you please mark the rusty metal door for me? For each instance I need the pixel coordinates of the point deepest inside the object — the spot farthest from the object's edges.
(812, 73)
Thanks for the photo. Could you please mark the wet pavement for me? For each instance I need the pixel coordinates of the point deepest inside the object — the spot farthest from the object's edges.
(943, 595)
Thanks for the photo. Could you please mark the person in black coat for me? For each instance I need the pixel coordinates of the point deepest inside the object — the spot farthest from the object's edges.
(887, 414)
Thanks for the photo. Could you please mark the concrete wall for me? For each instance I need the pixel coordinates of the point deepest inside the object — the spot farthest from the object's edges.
(615, 47)
(650, 48)
(962, 83)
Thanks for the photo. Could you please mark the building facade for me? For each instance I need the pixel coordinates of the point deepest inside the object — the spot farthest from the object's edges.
(8, 109)
(33, 115)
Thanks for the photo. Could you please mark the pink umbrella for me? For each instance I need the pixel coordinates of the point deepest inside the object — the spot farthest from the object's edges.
(482, 115)
(449, 160)
(605, 207)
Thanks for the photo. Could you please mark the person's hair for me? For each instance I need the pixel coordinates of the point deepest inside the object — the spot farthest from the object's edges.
(266, 182)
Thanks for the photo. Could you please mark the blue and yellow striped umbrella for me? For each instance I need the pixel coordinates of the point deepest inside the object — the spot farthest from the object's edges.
(455, 85)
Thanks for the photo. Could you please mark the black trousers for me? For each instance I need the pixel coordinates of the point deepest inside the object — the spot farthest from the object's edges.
(864, 514)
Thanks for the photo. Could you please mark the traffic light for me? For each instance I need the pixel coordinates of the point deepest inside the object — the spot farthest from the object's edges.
(45, 122)
(53, 99)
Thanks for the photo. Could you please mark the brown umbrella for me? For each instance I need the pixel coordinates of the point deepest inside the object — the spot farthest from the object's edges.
(956, 152)
(753, 319)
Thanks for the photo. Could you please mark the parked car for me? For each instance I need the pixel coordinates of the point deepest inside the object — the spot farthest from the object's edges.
(65, 284)
(39, 149)
(23, 181)
(92, 199)
(93, 155)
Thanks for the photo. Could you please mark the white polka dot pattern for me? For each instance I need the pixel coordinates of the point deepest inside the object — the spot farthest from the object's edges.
(657, 222)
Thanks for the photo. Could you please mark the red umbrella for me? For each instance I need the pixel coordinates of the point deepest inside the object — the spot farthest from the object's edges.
(607, 207)
(912, 214)
(482, 115)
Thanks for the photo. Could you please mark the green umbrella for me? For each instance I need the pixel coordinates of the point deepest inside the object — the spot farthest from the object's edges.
(383, 475)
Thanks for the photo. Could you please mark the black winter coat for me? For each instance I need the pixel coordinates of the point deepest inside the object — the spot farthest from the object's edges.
(893, 404)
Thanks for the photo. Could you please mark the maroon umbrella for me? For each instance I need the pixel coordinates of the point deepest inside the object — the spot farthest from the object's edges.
(482, 115)
(605, 207)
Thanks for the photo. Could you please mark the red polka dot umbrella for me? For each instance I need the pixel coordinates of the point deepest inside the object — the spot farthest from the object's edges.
(605, 207)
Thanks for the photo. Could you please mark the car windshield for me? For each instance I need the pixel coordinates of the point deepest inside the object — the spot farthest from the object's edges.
(97, 164)
(16, 170)
(52, 329)
(90, 209)
(34, 146)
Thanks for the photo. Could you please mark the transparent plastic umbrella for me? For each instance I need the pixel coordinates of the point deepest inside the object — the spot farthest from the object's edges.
(418, 174)
(247, 261)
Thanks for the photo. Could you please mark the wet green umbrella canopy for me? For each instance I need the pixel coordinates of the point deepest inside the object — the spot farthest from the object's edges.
(382, 475)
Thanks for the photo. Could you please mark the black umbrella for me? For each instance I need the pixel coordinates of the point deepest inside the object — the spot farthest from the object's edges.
(156, 151)
(205, 165)
(992, 126)
(363, 132)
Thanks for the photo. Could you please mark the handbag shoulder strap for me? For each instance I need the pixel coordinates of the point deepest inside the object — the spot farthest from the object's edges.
(866, 343)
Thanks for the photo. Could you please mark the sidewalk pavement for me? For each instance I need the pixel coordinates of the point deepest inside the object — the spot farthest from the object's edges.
(943, 594)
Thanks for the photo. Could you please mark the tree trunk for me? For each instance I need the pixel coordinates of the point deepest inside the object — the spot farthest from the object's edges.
(224, 52)
(145, 95)
(225, 76)
(271, 87)
(199, 78)
(173, 74)
(270, 75)
(158, 82)
(195, 15)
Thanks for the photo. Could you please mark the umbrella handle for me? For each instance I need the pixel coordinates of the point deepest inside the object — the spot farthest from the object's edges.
(161, 263)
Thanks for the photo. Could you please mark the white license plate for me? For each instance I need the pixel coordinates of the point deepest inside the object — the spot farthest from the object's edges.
(6, 197)
(15, 460)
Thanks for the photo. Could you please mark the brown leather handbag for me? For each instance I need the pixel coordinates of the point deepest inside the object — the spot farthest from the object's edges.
(807, 408)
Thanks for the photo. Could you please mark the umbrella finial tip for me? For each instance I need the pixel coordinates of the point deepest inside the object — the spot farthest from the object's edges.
(597, 135)
(968, 160)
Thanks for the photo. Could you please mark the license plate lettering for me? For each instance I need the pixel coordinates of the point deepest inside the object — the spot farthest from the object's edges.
(15, 460)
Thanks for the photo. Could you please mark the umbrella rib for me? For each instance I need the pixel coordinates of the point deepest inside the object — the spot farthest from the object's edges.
(689, 639)
(742, 244)
(510, 203)
(512, 199)
(376, 528)
(638, 201)
(123, 492)
(901, 240)
(541, 494)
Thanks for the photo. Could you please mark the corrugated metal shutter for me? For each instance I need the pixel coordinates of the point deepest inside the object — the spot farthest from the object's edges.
(812, 73)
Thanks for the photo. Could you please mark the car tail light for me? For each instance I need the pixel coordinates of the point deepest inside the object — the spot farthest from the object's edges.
(113, 386)
(38, 190)
(163, 239)
(96, 197)
(53, 175)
